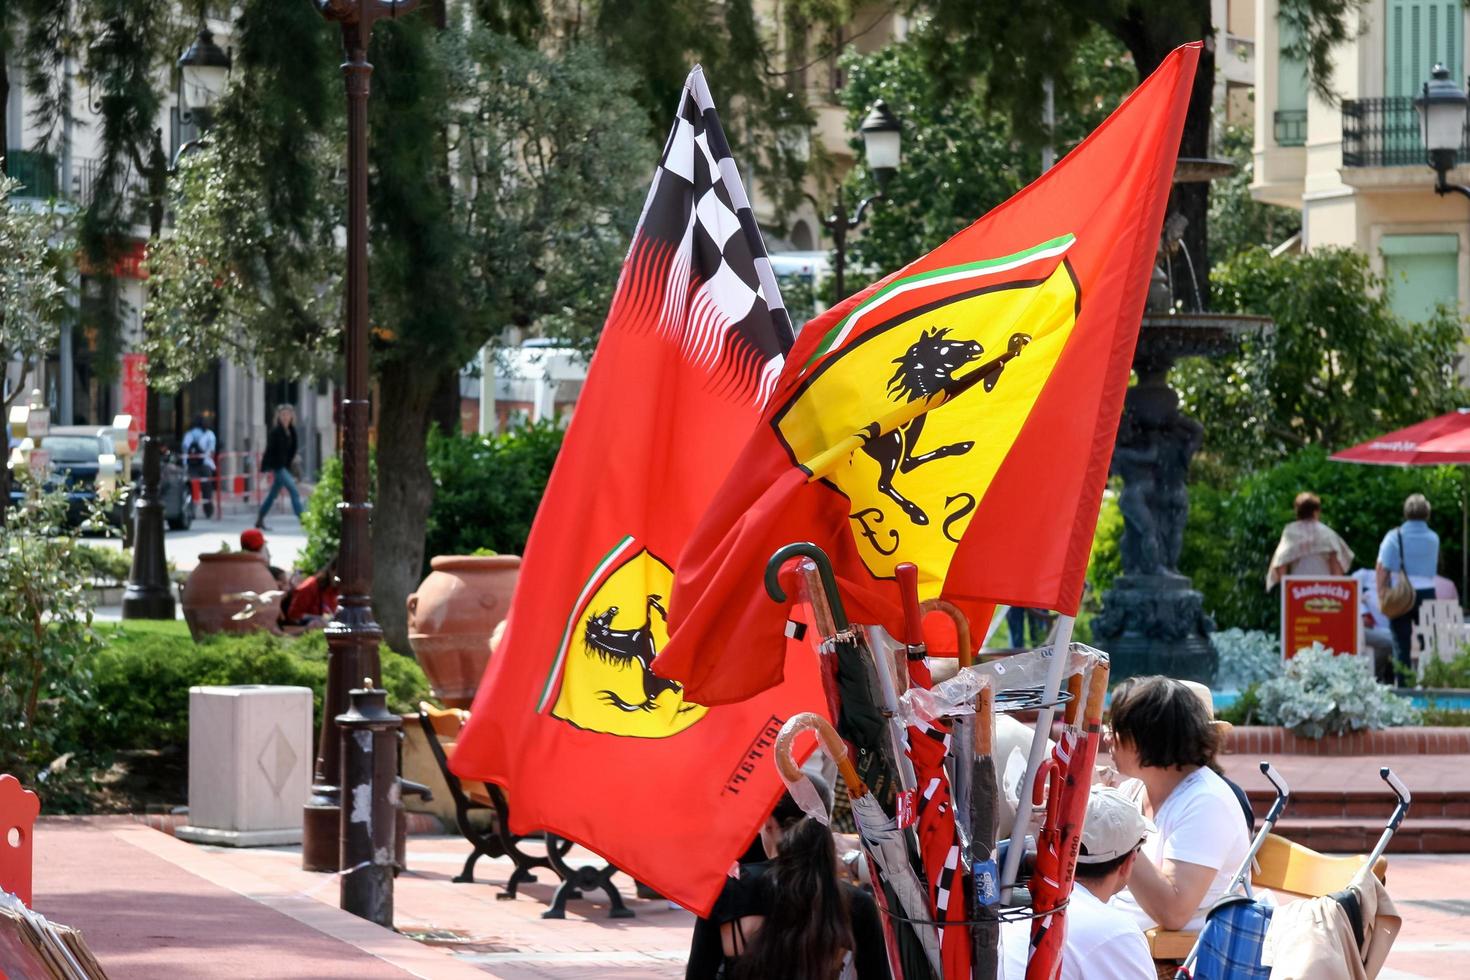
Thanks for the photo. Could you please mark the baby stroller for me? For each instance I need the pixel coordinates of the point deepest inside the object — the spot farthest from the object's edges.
(1229, 947)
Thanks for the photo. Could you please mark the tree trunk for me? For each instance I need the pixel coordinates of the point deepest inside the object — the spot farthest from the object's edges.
(405, 491)
(444, 409)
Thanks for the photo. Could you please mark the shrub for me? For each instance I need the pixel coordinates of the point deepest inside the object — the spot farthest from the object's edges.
(1321, 694)
(1234, 525)
(1247, 657)
(142, 679)
(104, 566)
(1447, 673)
(487, 488)
(1245, 709)
(486, 491)
(45, 634)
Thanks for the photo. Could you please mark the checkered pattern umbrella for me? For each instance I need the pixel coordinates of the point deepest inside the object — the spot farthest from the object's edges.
(939, 844)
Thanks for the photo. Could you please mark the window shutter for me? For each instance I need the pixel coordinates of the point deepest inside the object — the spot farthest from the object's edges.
(1421, 33)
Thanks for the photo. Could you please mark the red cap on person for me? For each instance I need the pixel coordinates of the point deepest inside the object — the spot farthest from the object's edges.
(251, 539)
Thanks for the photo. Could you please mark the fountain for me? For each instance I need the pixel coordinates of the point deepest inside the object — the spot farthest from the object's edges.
(1152, 620)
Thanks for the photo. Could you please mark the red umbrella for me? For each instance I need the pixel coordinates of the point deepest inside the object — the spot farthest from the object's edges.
(1434, 442)
(1440, 441)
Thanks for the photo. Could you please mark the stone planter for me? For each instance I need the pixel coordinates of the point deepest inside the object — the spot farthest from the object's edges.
(451, 617)
(226, 573)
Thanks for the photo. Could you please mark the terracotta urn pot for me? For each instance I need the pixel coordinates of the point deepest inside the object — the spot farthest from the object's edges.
(451, 617)
(212, 594)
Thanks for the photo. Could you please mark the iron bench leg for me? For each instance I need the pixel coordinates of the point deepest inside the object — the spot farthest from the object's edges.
(575, 881)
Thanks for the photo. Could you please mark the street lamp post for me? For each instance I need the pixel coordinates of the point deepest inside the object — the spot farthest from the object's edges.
(882, 149)
(203, 71)
(353, 635)
(1441, 108)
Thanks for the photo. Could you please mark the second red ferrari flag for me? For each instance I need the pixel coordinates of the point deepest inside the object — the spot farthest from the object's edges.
(959, 414)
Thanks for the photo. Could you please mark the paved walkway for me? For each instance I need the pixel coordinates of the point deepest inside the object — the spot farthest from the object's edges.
(285, 539)
(152, 906)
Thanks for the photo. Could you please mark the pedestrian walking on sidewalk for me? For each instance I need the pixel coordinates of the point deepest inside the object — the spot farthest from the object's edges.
(198, 449)
(280, 453)
(1409, 551)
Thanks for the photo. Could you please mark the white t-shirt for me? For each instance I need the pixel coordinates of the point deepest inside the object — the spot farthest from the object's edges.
(1199, 823)
(1101, 943)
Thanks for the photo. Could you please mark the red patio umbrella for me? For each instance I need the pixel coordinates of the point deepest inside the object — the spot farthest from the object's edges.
(1440, 441)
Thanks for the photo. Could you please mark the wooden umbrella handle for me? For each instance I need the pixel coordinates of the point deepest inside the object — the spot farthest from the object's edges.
(961, 626)
(1097, 689)
(985, 722)
(828, 739)
(1074, 688)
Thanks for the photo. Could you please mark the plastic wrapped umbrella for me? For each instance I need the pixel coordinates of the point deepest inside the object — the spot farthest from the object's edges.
(1069, 772)
(913, 943)
(939, 845)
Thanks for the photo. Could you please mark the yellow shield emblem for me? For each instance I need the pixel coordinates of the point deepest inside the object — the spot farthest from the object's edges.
(606, 683)
(912, 420)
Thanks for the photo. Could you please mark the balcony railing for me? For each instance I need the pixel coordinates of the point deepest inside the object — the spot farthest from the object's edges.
(40, 177)
(1385, 133)
(37, 173)
(1290, 127)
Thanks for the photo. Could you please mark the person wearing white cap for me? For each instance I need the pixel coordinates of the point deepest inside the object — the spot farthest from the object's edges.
(1101, 942)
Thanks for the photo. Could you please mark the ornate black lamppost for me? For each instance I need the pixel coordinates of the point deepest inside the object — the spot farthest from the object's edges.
(1442, 121)
(203, 72)
(353, 635)
(882, 148)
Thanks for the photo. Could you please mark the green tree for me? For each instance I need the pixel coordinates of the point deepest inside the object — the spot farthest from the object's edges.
(961, 156)
(1339, 366)
(32, 294)
(505, 180)
(1018, 47)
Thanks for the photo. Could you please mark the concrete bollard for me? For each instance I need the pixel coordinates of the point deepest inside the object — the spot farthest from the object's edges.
(370, 793)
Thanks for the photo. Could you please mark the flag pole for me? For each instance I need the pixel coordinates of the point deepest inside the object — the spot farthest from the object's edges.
(1061, 647)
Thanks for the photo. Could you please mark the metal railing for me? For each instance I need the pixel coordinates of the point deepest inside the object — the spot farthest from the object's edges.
(1290, 127)
(37, 173)
(1385, 133)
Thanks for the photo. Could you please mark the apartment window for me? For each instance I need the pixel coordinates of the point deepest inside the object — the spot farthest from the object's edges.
(1422, 271)
(1421, 33)
(1290, 120)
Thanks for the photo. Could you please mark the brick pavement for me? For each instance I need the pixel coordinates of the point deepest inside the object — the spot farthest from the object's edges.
(154, 906)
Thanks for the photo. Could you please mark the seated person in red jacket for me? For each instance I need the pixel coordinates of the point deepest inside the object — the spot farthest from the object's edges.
(314, 601)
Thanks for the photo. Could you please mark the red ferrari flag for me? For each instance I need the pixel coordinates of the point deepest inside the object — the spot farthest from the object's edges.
(570, 719)
(959, 414)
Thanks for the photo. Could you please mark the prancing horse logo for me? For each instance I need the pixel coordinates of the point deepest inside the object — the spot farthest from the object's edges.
(604, 681)
(887, 416)
(626, 647)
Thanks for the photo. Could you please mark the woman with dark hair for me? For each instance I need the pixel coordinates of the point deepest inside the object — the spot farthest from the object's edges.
(790, 916)
(1163, 739)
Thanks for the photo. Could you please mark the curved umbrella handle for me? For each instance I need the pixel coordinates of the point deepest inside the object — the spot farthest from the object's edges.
(827, 739)
(805, 549)
(961, 626)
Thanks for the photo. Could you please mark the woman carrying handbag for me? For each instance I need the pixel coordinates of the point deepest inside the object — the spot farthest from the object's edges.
(1407, 561)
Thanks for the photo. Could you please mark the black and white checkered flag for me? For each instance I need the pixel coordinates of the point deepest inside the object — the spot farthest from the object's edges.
(697, 270)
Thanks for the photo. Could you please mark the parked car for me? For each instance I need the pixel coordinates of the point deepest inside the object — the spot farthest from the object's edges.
(75, 461)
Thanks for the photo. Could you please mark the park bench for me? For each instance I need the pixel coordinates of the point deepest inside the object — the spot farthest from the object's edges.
(441, 729)
(1284, 867)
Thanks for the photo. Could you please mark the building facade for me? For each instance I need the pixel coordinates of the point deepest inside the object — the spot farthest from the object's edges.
(1355, 167)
